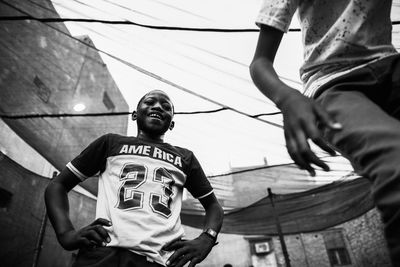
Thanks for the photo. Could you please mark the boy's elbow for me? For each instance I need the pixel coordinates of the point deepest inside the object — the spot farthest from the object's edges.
(52, 189)
(254, 68)
(219, 211)
(251, 67)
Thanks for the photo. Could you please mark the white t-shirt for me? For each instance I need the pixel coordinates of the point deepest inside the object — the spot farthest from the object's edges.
(338, 35)
(140, 190)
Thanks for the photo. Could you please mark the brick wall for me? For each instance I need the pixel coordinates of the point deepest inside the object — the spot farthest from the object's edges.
(363, 237)
(366, 241)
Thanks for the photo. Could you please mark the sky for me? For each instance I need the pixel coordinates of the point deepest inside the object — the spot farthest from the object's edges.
(199, 70)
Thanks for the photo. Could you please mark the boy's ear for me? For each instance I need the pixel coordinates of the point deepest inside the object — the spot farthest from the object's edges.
(171, 125)
(134, 115)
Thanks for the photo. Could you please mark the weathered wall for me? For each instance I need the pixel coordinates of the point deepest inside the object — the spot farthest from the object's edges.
(363, 237)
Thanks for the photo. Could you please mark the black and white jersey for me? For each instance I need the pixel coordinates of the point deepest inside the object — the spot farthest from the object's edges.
(140, 190)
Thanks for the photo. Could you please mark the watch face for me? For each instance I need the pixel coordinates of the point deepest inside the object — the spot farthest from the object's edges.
(211, 232)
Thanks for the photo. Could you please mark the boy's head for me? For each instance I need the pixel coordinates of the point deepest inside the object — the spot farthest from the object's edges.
(154, 113)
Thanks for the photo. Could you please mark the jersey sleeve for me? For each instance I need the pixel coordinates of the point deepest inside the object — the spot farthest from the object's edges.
(277, 13)
(197, 183)
(91, 160)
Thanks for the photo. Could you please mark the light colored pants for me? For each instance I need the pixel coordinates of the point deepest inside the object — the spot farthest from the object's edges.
(367, 103)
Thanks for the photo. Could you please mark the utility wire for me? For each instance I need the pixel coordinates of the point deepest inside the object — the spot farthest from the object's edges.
(262, 168)
(148, 73)
(127, 22)
(131, 10)
(102, 114)
(106, 114)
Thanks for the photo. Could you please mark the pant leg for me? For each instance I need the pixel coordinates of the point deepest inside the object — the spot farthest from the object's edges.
(111, 257)
(97, 257)
(370, 139)
(130, 259)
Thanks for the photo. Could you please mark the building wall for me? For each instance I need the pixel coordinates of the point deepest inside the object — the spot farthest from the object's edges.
(366, 240)
(303, 249)
(82, 213)
(20, 222)
(20, 215)
(363, 237)
(23, 216)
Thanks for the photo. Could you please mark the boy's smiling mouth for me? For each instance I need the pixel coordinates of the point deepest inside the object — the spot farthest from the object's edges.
(155, 115)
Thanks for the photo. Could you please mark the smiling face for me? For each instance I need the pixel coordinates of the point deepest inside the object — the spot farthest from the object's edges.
(154, 113)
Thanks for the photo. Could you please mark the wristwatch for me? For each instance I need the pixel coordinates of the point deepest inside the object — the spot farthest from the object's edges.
(212, 233)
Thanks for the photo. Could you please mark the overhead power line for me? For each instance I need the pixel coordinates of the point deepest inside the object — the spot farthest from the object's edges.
(127, 22)
(104, 114)
(263, 168)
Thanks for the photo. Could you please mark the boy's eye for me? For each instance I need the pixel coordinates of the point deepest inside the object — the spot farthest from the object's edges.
(149, 102)
(167, 107)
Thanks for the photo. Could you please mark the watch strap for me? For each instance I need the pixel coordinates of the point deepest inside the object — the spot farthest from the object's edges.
(211, 233)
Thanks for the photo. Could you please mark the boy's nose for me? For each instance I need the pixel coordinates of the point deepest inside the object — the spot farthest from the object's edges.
(157, 105)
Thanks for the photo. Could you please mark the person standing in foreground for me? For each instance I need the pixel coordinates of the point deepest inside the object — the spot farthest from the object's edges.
(351, 98)
(141, 180)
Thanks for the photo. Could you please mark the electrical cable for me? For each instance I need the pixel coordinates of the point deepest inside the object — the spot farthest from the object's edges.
(104, 114)
(127, 22)
(262, 168)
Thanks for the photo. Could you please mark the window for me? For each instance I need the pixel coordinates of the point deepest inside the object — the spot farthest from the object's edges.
(262, 247)
(338, 256)
(336, 248)
(42, 90)
(108, 102)
(5, 199)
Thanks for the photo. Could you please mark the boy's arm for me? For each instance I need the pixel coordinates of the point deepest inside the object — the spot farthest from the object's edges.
(301, 115)
(196, 250)
(214, 213)
(57, 205)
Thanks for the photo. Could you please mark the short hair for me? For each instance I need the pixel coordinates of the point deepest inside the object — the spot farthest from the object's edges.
(155, 90)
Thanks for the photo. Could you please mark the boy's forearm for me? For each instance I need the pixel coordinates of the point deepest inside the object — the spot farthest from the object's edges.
(56, 199)
(214, 217)
(267, 81)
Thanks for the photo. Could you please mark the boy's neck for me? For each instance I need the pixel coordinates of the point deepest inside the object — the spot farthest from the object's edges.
(150, 138)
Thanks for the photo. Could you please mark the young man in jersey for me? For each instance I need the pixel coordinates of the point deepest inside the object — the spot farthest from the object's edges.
(351, 77)
(141, 180)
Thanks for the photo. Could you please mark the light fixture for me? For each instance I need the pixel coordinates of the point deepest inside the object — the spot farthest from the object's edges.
(79, 107)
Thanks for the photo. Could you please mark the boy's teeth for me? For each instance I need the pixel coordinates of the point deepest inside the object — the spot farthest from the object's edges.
(155, 115)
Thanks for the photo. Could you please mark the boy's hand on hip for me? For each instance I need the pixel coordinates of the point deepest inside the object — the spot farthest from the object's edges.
(89, 236)
(195, 251)
(301, 117)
